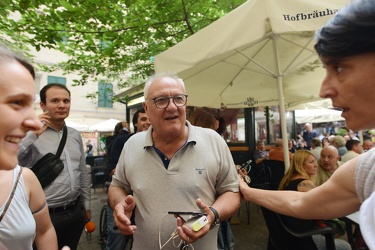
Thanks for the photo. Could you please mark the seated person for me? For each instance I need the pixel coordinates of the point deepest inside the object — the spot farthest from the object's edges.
(339, 142)
(260, 154)
(277, 153)
(325, 142)
(354, 148)
(291, 146)
(328, 163)
(367, 145)
(299, 177)
(316, 148)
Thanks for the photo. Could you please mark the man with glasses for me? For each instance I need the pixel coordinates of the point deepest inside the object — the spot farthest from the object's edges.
(174, 166)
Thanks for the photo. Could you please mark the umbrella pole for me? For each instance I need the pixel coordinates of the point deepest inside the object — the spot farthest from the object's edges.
(280, 91)
(283, 123)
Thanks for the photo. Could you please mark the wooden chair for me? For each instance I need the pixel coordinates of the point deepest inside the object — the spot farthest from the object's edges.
(279, 234)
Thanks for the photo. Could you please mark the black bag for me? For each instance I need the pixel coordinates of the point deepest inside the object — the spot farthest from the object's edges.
(50, 165)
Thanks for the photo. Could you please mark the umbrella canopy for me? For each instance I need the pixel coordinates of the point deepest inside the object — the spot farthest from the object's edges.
(78, 126)
(320, 104)
(104, 126)
(318, 115)
(260, 54)
(237, 58)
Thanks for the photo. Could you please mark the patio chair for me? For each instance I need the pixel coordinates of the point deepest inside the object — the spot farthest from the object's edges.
(277, 172)
(279, 234)
(261, 177)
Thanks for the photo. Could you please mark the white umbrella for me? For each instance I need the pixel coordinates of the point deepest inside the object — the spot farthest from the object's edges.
(77, 126)
(320, 104)
(318, 115)
(105, 126)
(260, 54)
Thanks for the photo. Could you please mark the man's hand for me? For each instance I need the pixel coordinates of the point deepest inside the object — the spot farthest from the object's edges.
(88, 215)
(112, 172)
(45, 120)
(187, 234)
(122, 214)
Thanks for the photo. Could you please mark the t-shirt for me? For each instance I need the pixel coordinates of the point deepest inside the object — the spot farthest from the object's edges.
(365, 175)
(202, 168)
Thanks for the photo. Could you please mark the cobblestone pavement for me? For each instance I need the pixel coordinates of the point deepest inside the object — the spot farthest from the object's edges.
(247, 236)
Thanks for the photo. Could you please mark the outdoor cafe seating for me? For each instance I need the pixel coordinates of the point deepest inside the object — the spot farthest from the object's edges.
(279, 233)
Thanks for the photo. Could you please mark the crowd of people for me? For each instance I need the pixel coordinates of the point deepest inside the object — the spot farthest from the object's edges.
(169, 164)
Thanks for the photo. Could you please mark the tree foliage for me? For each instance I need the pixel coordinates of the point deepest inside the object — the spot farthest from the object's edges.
(106, 38)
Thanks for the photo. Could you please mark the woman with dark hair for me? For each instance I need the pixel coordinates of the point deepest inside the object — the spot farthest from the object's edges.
(204, 117)
(24, 215)
(346, 46)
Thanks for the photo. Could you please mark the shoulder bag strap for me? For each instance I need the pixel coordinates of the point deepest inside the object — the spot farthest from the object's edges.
(62, 142)
(11, 195)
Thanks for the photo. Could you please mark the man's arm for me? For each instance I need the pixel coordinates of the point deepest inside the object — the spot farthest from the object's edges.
(115, 195)
(335, 198)
(227, 204)
(123, 206)
(25, 154)
(260, 160)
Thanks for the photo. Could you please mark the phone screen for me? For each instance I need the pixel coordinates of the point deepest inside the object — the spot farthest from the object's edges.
(187, 213)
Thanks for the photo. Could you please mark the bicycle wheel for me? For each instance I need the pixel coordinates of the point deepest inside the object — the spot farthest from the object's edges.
(103, 233)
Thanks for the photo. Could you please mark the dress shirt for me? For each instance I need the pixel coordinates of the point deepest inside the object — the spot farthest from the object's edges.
(73, 181)
(259, 154)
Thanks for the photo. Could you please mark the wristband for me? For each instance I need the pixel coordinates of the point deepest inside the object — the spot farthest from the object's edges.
(216, 219)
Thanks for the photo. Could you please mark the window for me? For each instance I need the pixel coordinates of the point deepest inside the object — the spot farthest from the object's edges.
(268, 126)
(235, 125)
(56, 79)
(105, 95)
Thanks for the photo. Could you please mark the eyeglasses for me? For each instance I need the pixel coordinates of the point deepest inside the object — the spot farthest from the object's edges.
(162, 102)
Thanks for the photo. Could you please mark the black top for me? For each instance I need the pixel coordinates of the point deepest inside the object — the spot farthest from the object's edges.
(110, 140)
(298, 225)
(115, 153)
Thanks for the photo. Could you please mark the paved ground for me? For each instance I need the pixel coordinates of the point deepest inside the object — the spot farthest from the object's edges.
(247, 236)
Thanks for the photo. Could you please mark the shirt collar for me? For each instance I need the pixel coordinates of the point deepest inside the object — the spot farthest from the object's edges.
(192, 135)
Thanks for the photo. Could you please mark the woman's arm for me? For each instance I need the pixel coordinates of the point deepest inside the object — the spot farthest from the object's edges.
(335, 198)
(45, 232)
(305, 185)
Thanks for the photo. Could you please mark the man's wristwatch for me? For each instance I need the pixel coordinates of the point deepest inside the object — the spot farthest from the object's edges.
(217, 218)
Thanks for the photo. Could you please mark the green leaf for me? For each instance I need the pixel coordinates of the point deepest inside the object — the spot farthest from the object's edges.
(107, 39)
(66, 5)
